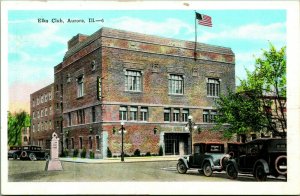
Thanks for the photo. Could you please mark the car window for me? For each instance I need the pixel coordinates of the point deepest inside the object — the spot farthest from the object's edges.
(197, 149)
(216, 148)
(25, 148)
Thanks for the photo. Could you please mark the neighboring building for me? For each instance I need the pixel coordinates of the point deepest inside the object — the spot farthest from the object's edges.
(151, 83)
(42, 116)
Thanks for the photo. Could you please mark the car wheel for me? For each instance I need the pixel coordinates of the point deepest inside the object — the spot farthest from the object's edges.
(231, 171)
(15, 156)
(207, 170)
(32, 157)
(181, 168)
(260, 174)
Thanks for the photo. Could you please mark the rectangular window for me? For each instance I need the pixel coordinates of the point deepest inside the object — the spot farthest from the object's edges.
(213, 87)
(144, 114)
(69, 119)
(176, 115)
(46, 97)
(213, 114)
(176, 84)
(80, 86)
(123, 113)
(98, 142)
(167, 114)
(80, 142)
(93, 114)
(205, 116)
(90, 142)
(72, 143)
(209, 116)
(133, 80)
(185, 114)
(67, 143)
(46, 111)
(42, 99)
(50, 96)
(80, 116)
(133, 113)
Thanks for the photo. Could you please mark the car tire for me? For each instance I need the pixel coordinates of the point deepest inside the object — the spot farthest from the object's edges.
(260, 174)
(15, 156)
(181, 167)
(32, 157)
(277, 164)
(207, 170)
(231, 171)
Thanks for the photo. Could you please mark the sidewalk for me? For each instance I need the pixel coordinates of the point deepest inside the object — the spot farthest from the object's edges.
(118, 160)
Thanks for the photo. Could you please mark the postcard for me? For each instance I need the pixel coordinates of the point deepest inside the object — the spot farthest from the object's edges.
(149, 97)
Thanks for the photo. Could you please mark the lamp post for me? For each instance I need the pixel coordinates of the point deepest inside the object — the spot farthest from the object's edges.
(122, 131)
(189, 127)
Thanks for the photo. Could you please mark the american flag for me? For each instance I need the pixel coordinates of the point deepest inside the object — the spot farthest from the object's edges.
(204, 20)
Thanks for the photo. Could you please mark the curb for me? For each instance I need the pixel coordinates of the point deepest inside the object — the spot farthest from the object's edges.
(103, 161)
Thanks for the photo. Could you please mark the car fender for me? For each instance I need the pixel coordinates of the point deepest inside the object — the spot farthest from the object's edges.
(264, 163)
(209, 160)
(185, 161)
(233, 161)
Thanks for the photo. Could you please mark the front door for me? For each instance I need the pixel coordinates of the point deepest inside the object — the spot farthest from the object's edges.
(175, 143)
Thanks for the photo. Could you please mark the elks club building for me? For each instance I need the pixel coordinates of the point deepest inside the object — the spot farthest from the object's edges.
(151, 83)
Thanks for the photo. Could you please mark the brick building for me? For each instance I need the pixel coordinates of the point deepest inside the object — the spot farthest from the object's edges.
(151, 83)
(42, 116)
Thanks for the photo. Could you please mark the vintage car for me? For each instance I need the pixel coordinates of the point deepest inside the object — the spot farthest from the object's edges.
(233, 149)
(33, 153)
(207, 157)
(14, 152)
(260, 157)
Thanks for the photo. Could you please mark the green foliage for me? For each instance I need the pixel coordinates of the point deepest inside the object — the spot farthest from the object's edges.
(109, 154)
(241, 111)
(16, 122)
(92, 155)
(137, 153)
(83, 153)
(148, 154)
(161, 152)
(75, 153)
(245, 110)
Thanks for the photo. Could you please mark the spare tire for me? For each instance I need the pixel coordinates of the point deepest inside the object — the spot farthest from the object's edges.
(281, 164)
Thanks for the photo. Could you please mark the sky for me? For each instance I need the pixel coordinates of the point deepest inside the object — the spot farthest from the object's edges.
(35, 48)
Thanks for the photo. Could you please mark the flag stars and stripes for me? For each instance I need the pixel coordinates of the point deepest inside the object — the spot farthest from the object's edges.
(204, 20)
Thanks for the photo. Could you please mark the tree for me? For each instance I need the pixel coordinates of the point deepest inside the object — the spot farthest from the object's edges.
(264, 89)
(16, 122)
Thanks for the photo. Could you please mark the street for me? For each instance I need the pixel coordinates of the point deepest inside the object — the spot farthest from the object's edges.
(165, 171)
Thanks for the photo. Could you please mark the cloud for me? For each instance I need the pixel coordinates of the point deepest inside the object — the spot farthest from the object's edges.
(49, 34)
(272, 32)
(169, 27)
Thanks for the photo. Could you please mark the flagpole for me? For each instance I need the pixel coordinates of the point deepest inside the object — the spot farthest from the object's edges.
(195, 49)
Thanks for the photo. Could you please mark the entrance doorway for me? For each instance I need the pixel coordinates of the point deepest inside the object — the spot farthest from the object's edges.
(176, 143)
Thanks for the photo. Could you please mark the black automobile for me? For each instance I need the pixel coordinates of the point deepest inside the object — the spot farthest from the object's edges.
(260, 157)
(233, 149)
(14, 152)
(33, 153)
(207, 157)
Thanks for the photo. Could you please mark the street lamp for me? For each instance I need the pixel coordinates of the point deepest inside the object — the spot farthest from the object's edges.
(189, 127)
(122, 131)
